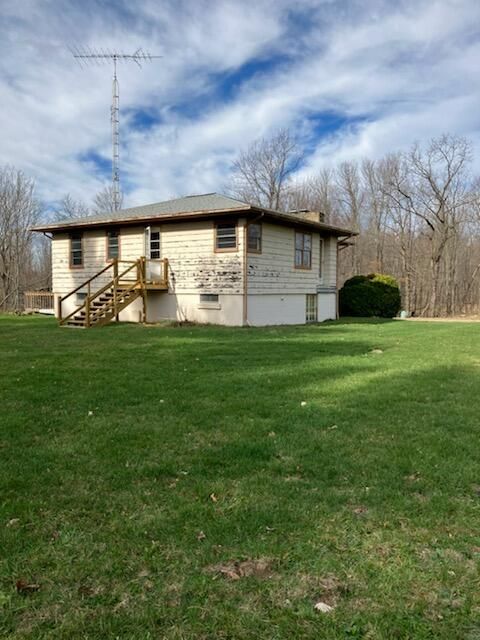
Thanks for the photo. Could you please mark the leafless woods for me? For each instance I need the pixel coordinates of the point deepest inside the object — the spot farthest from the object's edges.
(417, 214)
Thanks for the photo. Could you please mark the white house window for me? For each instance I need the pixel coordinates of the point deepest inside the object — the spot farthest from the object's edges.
(209, 297)
(155, 245)
(321, 256)
(254, 234)
(113, 244)
(225, 237)
(311, 308)
(76, 250)
(81, 295)
(303, 250)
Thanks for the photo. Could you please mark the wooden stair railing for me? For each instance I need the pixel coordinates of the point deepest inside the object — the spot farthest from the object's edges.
(105, 303)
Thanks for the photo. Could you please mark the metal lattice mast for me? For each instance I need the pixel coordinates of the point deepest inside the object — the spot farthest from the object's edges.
(115, 117)
(99, 56)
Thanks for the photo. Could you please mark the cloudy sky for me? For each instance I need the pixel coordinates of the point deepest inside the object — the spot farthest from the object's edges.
(349, 78)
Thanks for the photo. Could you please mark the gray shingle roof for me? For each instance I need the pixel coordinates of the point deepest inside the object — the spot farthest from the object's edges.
(187, 204)
(205, 204)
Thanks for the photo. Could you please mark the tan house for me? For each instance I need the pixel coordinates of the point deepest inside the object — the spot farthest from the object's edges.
(205, 258)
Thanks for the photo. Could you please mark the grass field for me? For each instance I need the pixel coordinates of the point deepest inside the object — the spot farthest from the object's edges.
(200, 482)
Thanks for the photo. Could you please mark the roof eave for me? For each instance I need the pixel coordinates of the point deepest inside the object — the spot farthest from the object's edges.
(86, 223)
(277, 216)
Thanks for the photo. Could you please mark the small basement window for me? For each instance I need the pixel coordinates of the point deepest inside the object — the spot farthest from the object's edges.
(255, 238)
(76, 250)
(113, 244)
(225, 237)
(209, 297)
(81, 296)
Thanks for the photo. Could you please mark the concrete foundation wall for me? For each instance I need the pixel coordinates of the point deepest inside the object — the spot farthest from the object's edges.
(289, 308)
(327, 306)
(188, 308)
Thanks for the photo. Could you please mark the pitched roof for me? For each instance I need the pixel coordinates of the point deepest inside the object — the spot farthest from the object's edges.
(208, 204)
(187, 204)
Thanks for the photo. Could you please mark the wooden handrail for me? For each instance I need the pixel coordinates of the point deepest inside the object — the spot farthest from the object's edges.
(140, 281)
(90, 297)
(110, 304)
(99, 273)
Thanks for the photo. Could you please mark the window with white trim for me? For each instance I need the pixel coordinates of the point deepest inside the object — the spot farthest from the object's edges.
(113, 244)
(209, 297)
(155, 245)
(76, 250)
(225, 236)
(311, 307)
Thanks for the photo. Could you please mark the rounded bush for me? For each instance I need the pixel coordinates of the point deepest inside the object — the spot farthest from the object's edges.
(373, 295)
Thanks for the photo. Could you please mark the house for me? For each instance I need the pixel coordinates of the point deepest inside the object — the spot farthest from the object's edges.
(204, 258)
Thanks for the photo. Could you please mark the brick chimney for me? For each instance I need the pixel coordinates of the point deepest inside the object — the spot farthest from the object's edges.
(314, 216)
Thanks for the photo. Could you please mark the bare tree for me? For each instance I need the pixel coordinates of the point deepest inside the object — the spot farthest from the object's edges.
(104, 201)
(261, 174)
(437, 194)
(317, 193)
(351, 197)
(19, 211)
(70, 208)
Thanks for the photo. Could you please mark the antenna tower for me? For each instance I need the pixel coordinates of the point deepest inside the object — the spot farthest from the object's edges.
(100, 56)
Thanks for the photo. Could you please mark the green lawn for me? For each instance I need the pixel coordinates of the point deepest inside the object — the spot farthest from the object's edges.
(172, 483)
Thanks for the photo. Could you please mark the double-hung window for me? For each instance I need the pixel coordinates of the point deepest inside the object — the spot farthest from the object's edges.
(303, 250)
(76, 250)
(226, 236)
(254, 236)
(113, 244)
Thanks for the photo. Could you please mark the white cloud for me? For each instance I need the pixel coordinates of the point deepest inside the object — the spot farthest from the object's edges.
(400, 71)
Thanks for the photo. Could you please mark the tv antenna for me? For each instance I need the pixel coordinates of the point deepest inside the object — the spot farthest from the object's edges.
(99, 57)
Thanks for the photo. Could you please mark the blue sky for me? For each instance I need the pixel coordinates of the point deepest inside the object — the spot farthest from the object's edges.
(349, 78)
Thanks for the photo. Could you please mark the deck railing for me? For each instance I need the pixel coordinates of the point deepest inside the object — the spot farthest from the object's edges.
(38, 300)
(135, 273)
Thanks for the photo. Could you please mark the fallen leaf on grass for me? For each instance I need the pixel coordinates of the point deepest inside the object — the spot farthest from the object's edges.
(414, 477)
(235, 570)
(213, 497)
(88, 591)
(13, 522)
(360, 511)
(323, 607)
(201, 536)
(122, 604)
(25, 587)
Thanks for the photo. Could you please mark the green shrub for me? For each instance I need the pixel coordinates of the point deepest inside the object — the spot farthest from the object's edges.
(373, 295)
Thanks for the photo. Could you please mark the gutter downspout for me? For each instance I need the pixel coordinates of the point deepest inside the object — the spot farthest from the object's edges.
(245, 266)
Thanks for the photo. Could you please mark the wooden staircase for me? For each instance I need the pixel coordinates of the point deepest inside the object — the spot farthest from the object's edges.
(104, 304)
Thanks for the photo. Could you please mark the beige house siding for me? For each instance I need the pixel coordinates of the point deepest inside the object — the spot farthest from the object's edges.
(194, 265)
(276, 290)
(273, 271)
